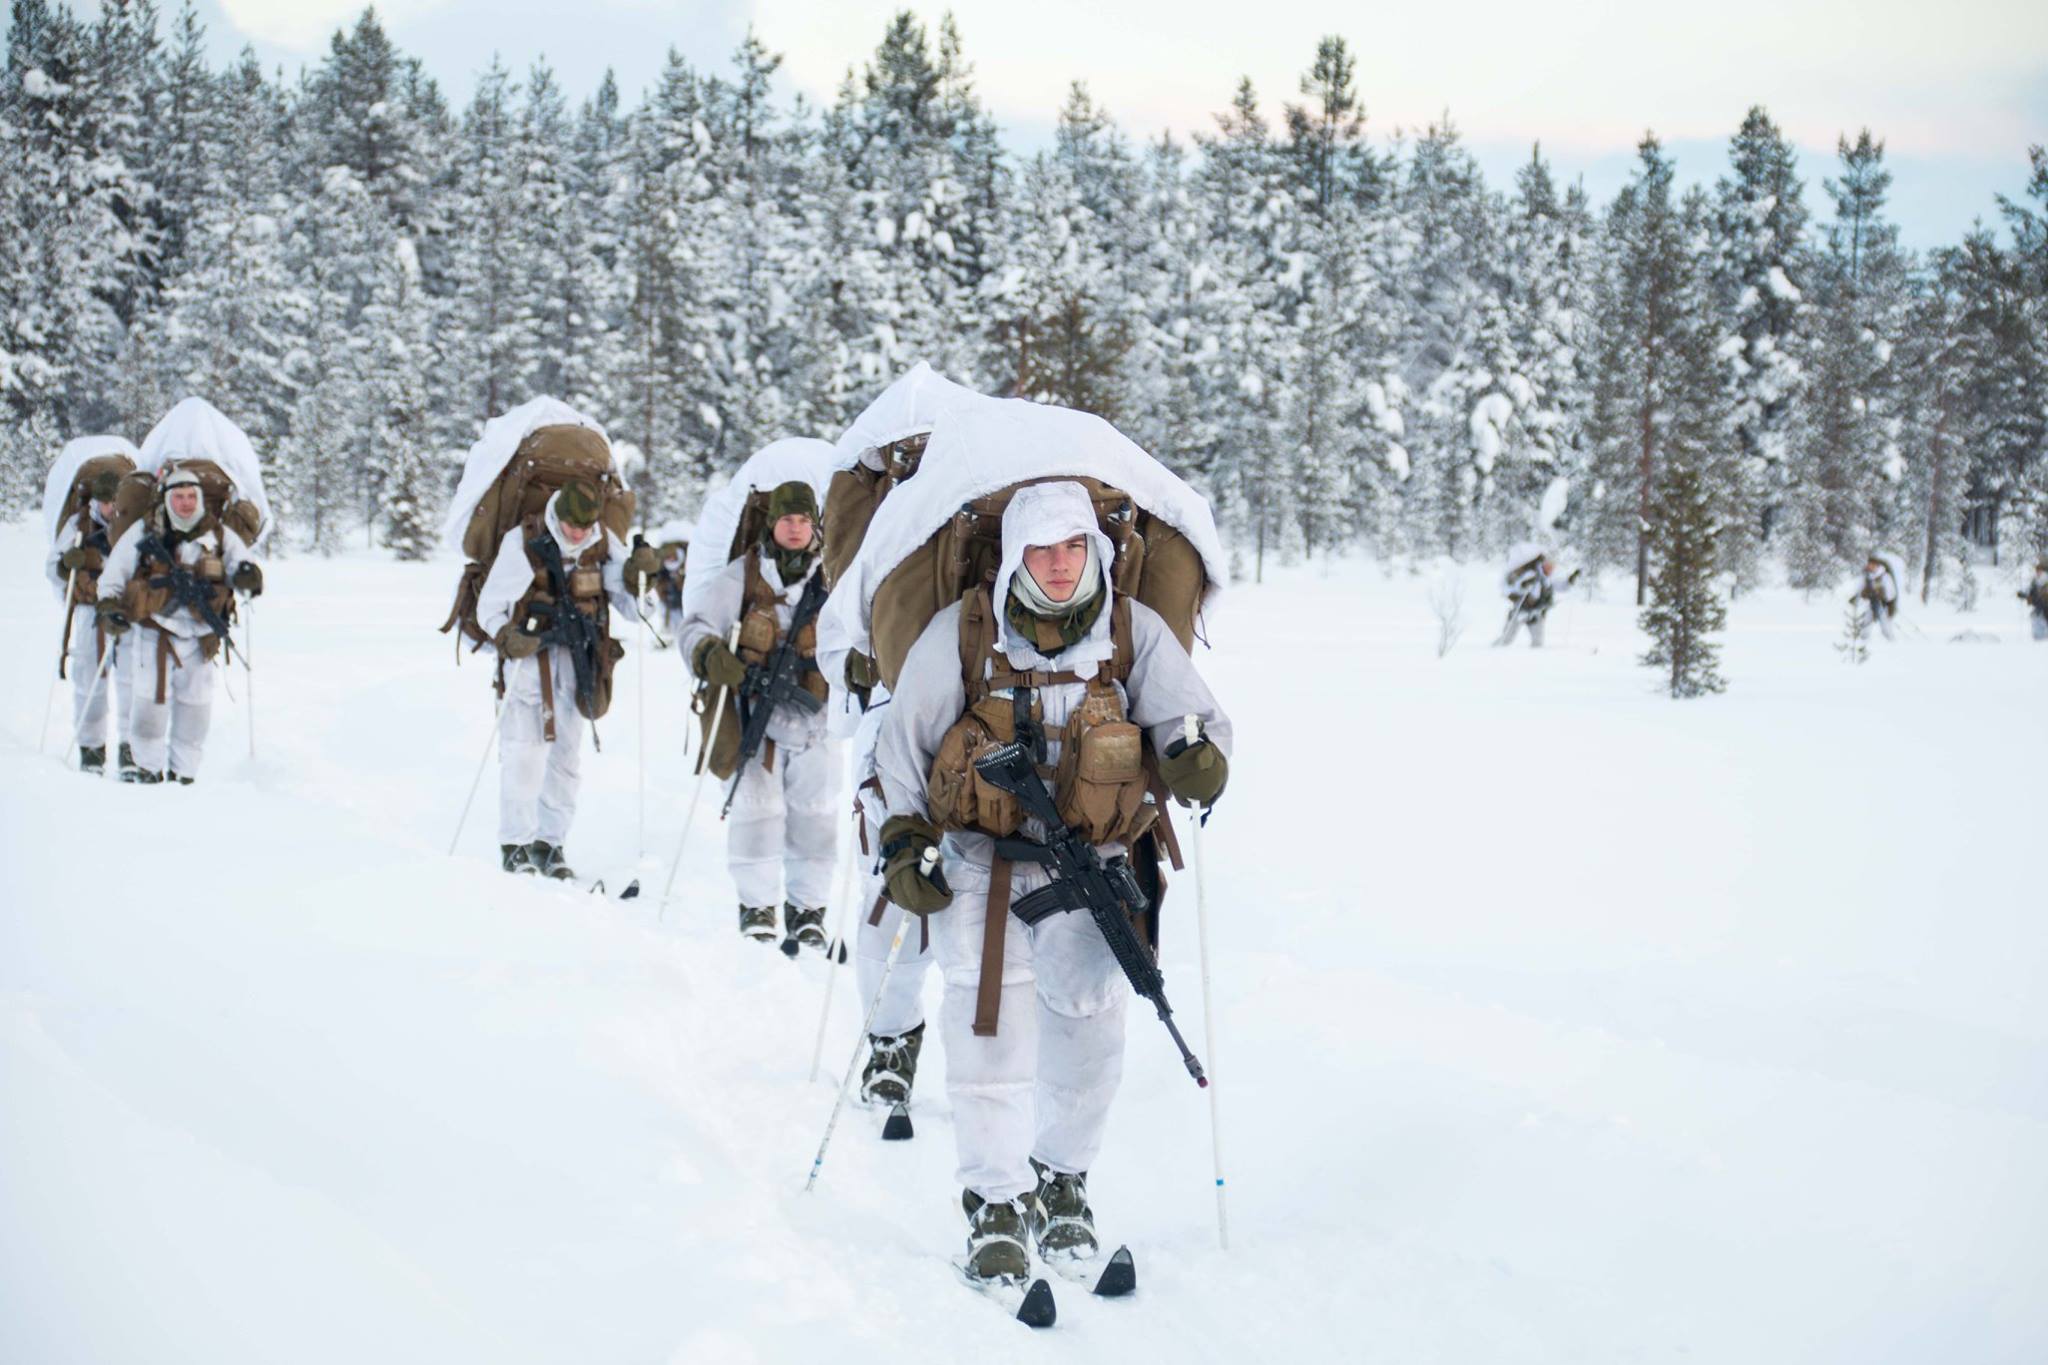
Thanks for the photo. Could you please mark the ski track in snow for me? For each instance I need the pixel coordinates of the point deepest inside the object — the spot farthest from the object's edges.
(1557, 1021)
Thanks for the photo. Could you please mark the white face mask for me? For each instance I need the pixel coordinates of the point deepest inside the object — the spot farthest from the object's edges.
(185, 523)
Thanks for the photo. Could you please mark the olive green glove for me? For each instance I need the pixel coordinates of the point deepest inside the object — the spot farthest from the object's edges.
(112, 619)
(916, 882)
(641, 565)
(515, 643)
(861, 677)
(249, 579)
(1194, 773)
(715, 663)
(72, 558)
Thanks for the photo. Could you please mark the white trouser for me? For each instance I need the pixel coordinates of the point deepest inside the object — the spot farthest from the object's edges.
(1043, 1084)
(2041, 627)
(170, 733)
(89, 697)
(781, 828)
(537, 780)
(902, 1004)
(1535, 631)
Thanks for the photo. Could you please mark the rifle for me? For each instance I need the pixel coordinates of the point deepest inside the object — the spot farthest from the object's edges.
(566, 626)
(1081, 879)
(185, 588)
(776, 682)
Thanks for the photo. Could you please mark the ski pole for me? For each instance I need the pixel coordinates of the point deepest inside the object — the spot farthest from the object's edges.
(640, 686)
(63, 639)
(248, 637)
(930, 861)
(99, 674)
(843, 884)
(474, 782)
(1208, 1016)
(697, 793)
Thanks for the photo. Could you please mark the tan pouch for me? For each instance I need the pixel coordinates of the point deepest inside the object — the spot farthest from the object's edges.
(1101, 778)
(957, 796)
(586, 583)
(758, 630)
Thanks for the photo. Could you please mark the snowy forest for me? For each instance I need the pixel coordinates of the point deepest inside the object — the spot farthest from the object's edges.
(1348, 339)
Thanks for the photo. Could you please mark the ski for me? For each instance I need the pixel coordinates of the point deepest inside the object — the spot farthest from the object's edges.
(1116, 1279)
(1030, 1304)
(897, 1128)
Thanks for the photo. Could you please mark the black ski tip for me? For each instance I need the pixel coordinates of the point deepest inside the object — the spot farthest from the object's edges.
(632, 891)
(897, 1128)
(1119, 1277)
(1038, 1309)
(842, 952)
(789, 948)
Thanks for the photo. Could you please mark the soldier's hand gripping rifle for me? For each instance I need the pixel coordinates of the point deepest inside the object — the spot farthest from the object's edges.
(186, 588)
(1081, 880)
(775, 683)
(566, 626)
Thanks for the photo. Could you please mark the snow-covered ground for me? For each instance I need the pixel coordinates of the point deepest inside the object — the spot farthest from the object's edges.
(1557, 1021)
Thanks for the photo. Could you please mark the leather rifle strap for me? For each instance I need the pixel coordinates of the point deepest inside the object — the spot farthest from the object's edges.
(547, 696)
(988, 996)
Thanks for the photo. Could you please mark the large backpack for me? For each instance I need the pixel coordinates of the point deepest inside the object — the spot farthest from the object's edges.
(548, 458)
(81, 493)
(1155, 564)
(137, 496)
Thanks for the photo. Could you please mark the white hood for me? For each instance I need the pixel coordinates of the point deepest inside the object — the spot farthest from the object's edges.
(800, 458)
(908, 407)
(57, 487)
(196, 430)
(982, 447)
(1046, 514)
(494, 450)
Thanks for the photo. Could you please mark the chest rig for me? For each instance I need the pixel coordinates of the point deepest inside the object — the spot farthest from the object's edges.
(761, 629)
(540, 607)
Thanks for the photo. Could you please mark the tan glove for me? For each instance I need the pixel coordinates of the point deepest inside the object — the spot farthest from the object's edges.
(515, 643)
(715, 663)
(249, 579)
(640, 566)
(112, 619)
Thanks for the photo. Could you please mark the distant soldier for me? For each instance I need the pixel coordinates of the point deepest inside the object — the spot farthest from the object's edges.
(79, 509)
(1881, 590)
(2036, 597)
(1531, 585)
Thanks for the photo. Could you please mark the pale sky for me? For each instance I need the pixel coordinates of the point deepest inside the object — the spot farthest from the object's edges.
(1958, 90)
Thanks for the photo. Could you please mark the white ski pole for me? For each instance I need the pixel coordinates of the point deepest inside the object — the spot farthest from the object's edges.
(249, 668)
(1191, 730)
(703, 771)
(474, 782)
(99, 675)
(930, 861)
(63, 634)
(847, 910)
(640, 686)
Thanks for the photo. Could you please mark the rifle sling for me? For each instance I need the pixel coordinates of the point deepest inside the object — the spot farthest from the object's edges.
(547, 694)
(988, 993)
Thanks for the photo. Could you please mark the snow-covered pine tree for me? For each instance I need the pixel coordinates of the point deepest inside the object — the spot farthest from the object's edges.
(1237, 187)
(399, 321)
(1685, 608)
(1932, 421)
(1760, 259)
(2026, 433)
(489, 319)
(1844, 452)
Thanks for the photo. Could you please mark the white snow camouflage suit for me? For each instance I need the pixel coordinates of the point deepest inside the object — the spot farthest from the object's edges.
(538, 780)
(169, 677)
(1041, 1086)
(91, 692)
(781, 834)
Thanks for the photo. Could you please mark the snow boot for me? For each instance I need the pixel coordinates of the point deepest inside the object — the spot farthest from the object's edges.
(172, 776)
(549, 862)
(807, 927)
(891, 1068)
(995, 1239)
(127, 759)
(757, 922)
(516, 858)
(141, 777)
(1061, 1222)
(92, 761)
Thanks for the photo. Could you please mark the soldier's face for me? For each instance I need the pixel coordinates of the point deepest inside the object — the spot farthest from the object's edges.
(575, 534)
(106, 510)
(1057, 568)
(793, 532)
(183, 501)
